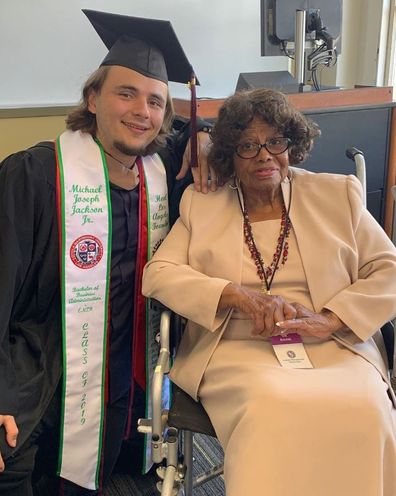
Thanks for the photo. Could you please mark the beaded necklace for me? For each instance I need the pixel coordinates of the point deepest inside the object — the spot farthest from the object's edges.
(267, 274)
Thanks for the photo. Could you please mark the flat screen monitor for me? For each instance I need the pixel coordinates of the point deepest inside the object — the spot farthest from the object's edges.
(278, 23)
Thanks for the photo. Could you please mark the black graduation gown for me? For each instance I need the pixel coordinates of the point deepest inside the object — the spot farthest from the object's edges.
(30, 320)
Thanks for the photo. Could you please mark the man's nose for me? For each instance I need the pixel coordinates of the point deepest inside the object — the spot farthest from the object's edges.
(140, 107)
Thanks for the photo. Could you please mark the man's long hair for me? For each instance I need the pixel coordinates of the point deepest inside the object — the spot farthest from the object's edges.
(81, 119)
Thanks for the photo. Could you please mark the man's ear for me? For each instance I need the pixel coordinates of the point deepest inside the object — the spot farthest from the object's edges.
(92, 101)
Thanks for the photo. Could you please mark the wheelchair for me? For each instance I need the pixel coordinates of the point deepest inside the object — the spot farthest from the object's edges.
(172, 430)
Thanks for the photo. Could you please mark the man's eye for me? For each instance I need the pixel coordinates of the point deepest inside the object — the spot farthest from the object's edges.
(155, 103)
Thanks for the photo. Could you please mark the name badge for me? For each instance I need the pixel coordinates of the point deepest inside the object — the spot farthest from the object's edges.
(289, 350)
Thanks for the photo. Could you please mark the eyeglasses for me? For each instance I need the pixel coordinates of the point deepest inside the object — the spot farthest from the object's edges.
(274, 146)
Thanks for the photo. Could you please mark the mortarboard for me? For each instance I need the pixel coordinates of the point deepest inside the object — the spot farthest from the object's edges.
(148, 46)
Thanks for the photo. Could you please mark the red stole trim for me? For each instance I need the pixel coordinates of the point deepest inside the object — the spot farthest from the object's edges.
(139, 325)
(58, 204)
(138, 372)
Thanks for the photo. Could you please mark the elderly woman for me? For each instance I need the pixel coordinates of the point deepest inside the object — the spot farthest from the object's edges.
(285, 279)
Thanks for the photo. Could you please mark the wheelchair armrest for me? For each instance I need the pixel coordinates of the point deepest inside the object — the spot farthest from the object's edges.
(162, 367)
(188, 414)
(157, 305)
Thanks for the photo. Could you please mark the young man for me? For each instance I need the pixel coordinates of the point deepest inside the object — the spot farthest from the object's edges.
(78, 220)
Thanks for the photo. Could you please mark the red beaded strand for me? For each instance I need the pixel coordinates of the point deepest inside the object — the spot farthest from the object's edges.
(281, 251)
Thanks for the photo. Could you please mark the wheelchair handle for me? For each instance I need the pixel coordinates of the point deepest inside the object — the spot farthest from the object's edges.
(358, 157)
(351, 152)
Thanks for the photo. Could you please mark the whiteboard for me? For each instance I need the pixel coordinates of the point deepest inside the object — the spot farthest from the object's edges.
(48, 48)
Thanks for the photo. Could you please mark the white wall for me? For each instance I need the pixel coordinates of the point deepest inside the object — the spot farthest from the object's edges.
(48, 47)
(347, 65)
(364, 32)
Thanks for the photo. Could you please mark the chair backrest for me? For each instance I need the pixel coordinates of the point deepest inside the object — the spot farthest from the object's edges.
(388, 333)
(387, 329)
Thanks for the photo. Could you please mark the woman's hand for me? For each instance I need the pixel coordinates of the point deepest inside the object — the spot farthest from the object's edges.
(7, 422)
(309, 323)
(264, 310)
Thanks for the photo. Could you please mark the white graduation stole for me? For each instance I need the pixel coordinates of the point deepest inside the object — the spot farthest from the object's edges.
(85, 233)
(84, 208)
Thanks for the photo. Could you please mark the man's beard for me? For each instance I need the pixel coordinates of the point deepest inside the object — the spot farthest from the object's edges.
(129, 150)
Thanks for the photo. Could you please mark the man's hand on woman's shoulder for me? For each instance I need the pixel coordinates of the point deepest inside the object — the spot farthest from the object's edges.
(7, 422)
(204, 176)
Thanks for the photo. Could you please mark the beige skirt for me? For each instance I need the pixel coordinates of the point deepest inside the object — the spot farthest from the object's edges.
(327, 431)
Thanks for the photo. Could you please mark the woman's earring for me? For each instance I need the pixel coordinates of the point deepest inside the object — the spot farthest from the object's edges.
(289, 177)
(234, 184)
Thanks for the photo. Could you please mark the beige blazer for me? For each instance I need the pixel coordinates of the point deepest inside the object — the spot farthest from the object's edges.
(349, 262)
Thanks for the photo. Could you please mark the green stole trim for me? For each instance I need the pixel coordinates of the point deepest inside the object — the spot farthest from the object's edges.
(85, 243)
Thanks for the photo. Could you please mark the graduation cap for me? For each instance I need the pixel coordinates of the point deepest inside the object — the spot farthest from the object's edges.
(148, 46)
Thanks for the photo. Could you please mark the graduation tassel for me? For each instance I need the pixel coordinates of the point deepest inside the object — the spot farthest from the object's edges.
(193, 123)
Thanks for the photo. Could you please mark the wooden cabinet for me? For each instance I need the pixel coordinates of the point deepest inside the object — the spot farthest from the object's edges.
(360, 117)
